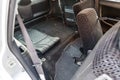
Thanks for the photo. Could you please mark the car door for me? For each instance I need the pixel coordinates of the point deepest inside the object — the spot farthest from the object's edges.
(12, 64)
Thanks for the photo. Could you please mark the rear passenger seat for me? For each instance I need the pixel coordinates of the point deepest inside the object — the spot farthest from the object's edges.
(90, 32)
(103, 59)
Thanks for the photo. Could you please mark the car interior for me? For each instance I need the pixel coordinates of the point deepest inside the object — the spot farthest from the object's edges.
(75, 39)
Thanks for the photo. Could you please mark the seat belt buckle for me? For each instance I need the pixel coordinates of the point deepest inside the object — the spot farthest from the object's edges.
(37, 64)
(40, 63)
(104, 77)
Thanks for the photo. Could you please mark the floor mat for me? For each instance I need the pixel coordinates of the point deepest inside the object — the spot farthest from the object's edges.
(54, 27)
(65, 66)
(42, 42)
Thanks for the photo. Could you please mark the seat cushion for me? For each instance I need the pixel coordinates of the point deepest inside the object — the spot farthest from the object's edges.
(101, 60)
(42, 42)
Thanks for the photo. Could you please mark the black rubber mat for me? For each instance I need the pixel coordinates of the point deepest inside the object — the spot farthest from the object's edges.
(63, 71)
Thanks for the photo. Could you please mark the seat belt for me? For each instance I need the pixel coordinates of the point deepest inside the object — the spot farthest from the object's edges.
(37, 63)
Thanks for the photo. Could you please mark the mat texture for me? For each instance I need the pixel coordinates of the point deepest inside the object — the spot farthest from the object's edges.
(42, 42)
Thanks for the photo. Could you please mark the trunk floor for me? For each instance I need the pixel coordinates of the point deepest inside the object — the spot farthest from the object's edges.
(56, 28)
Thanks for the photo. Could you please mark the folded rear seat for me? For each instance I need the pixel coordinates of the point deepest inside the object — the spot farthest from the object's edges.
(42, 42)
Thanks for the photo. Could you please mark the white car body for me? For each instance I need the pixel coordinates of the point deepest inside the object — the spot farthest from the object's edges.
(10, 67)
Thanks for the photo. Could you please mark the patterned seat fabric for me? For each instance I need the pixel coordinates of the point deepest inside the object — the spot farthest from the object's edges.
(89, 28)
(107, 58)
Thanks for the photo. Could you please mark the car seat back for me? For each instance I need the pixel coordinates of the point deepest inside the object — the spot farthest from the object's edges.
(101, 60)
(89, 28)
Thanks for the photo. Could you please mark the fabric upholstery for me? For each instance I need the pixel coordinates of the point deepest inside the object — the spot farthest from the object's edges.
(107, 59)
(98, 63)
(89, 28)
